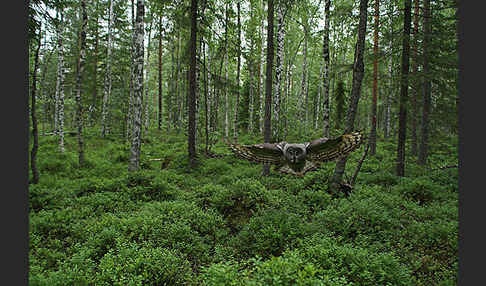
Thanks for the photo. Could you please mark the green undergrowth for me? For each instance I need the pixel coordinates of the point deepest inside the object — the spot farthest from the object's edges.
(224, 224)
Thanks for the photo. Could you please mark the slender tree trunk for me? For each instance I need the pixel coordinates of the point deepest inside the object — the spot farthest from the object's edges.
(267, 131)
(147, 69)
(132, 64)
(260, 116)
(60, 85)
(226, 101)
(138, 88)
(35, 135)
(358, 73)
(107, 91)
(95, 76)
(79, 78)
(191, 138)
(390, 93)
(159, 124)
(206, 94)
(303, 96)
(238, 4)
(424, 134)
(416, 82)
(326, 80)
(278, 71)
(402, 123)
(375, 81)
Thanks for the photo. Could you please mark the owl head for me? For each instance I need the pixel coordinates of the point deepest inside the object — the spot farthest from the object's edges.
(295, 153)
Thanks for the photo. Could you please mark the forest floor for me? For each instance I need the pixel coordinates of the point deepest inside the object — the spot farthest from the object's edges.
(225, 224)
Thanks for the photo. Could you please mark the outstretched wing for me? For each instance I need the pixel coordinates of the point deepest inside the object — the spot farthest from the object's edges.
(324, 149)
(259, 153)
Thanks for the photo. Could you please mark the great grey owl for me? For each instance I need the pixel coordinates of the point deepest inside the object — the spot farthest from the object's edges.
(299, 158)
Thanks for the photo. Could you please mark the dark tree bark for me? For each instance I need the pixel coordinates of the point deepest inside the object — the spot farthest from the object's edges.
(138, 89)
(424, 143)
(326, 81)
(358, 73)
(267, 124)
(413, 115)
(159, 125)
(402, 123)
(191, 138)
(79, 78)
(375, 81)
(35, 135)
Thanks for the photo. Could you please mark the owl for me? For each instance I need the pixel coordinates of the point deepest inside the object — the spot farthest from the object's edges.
(299, 158)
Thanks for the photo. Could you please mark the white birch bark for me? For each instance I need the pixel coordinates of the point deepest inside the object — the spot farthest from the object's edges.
(79, 75)
(262, 60)
(138, 89)
(303, 94)
(59, 114)
(278, 71)
(107, 89)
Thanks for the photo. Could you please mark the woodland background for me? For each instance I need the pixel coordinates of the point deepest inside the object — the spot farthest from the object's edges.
(132, 184)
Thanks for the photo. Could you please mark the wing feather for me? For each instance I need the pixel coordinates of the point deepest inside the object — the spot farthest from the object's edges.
(259, 153)
(324, 149)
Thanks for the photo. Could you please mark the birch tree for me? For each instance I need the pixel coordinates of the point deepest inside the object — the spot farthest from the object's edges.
(278, 70)
(108, 79)
(138, 88)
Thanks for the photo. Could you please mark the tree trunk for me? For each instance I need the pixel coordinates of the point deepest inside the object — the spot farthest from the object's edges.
(226, 101)
(94, 98)
(402, 123)
(326, 101)
(79, 78)
(375, 81)
(358, 73)
(138, 88)
(389, 94)
(267, 131)
(303, 95)
(238, 4)
(132, 66)
(147, 69)
(60, 85)
(35, 135)
(416, 89)
(278, 72)
(107, 91)
(424, 143)
(159, 124)
(191, 138)
(206, 95)
(260, 115)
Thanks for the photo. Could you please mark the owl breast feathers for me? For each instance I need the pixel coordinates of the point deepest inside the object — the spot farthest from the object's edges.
(299, 158)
